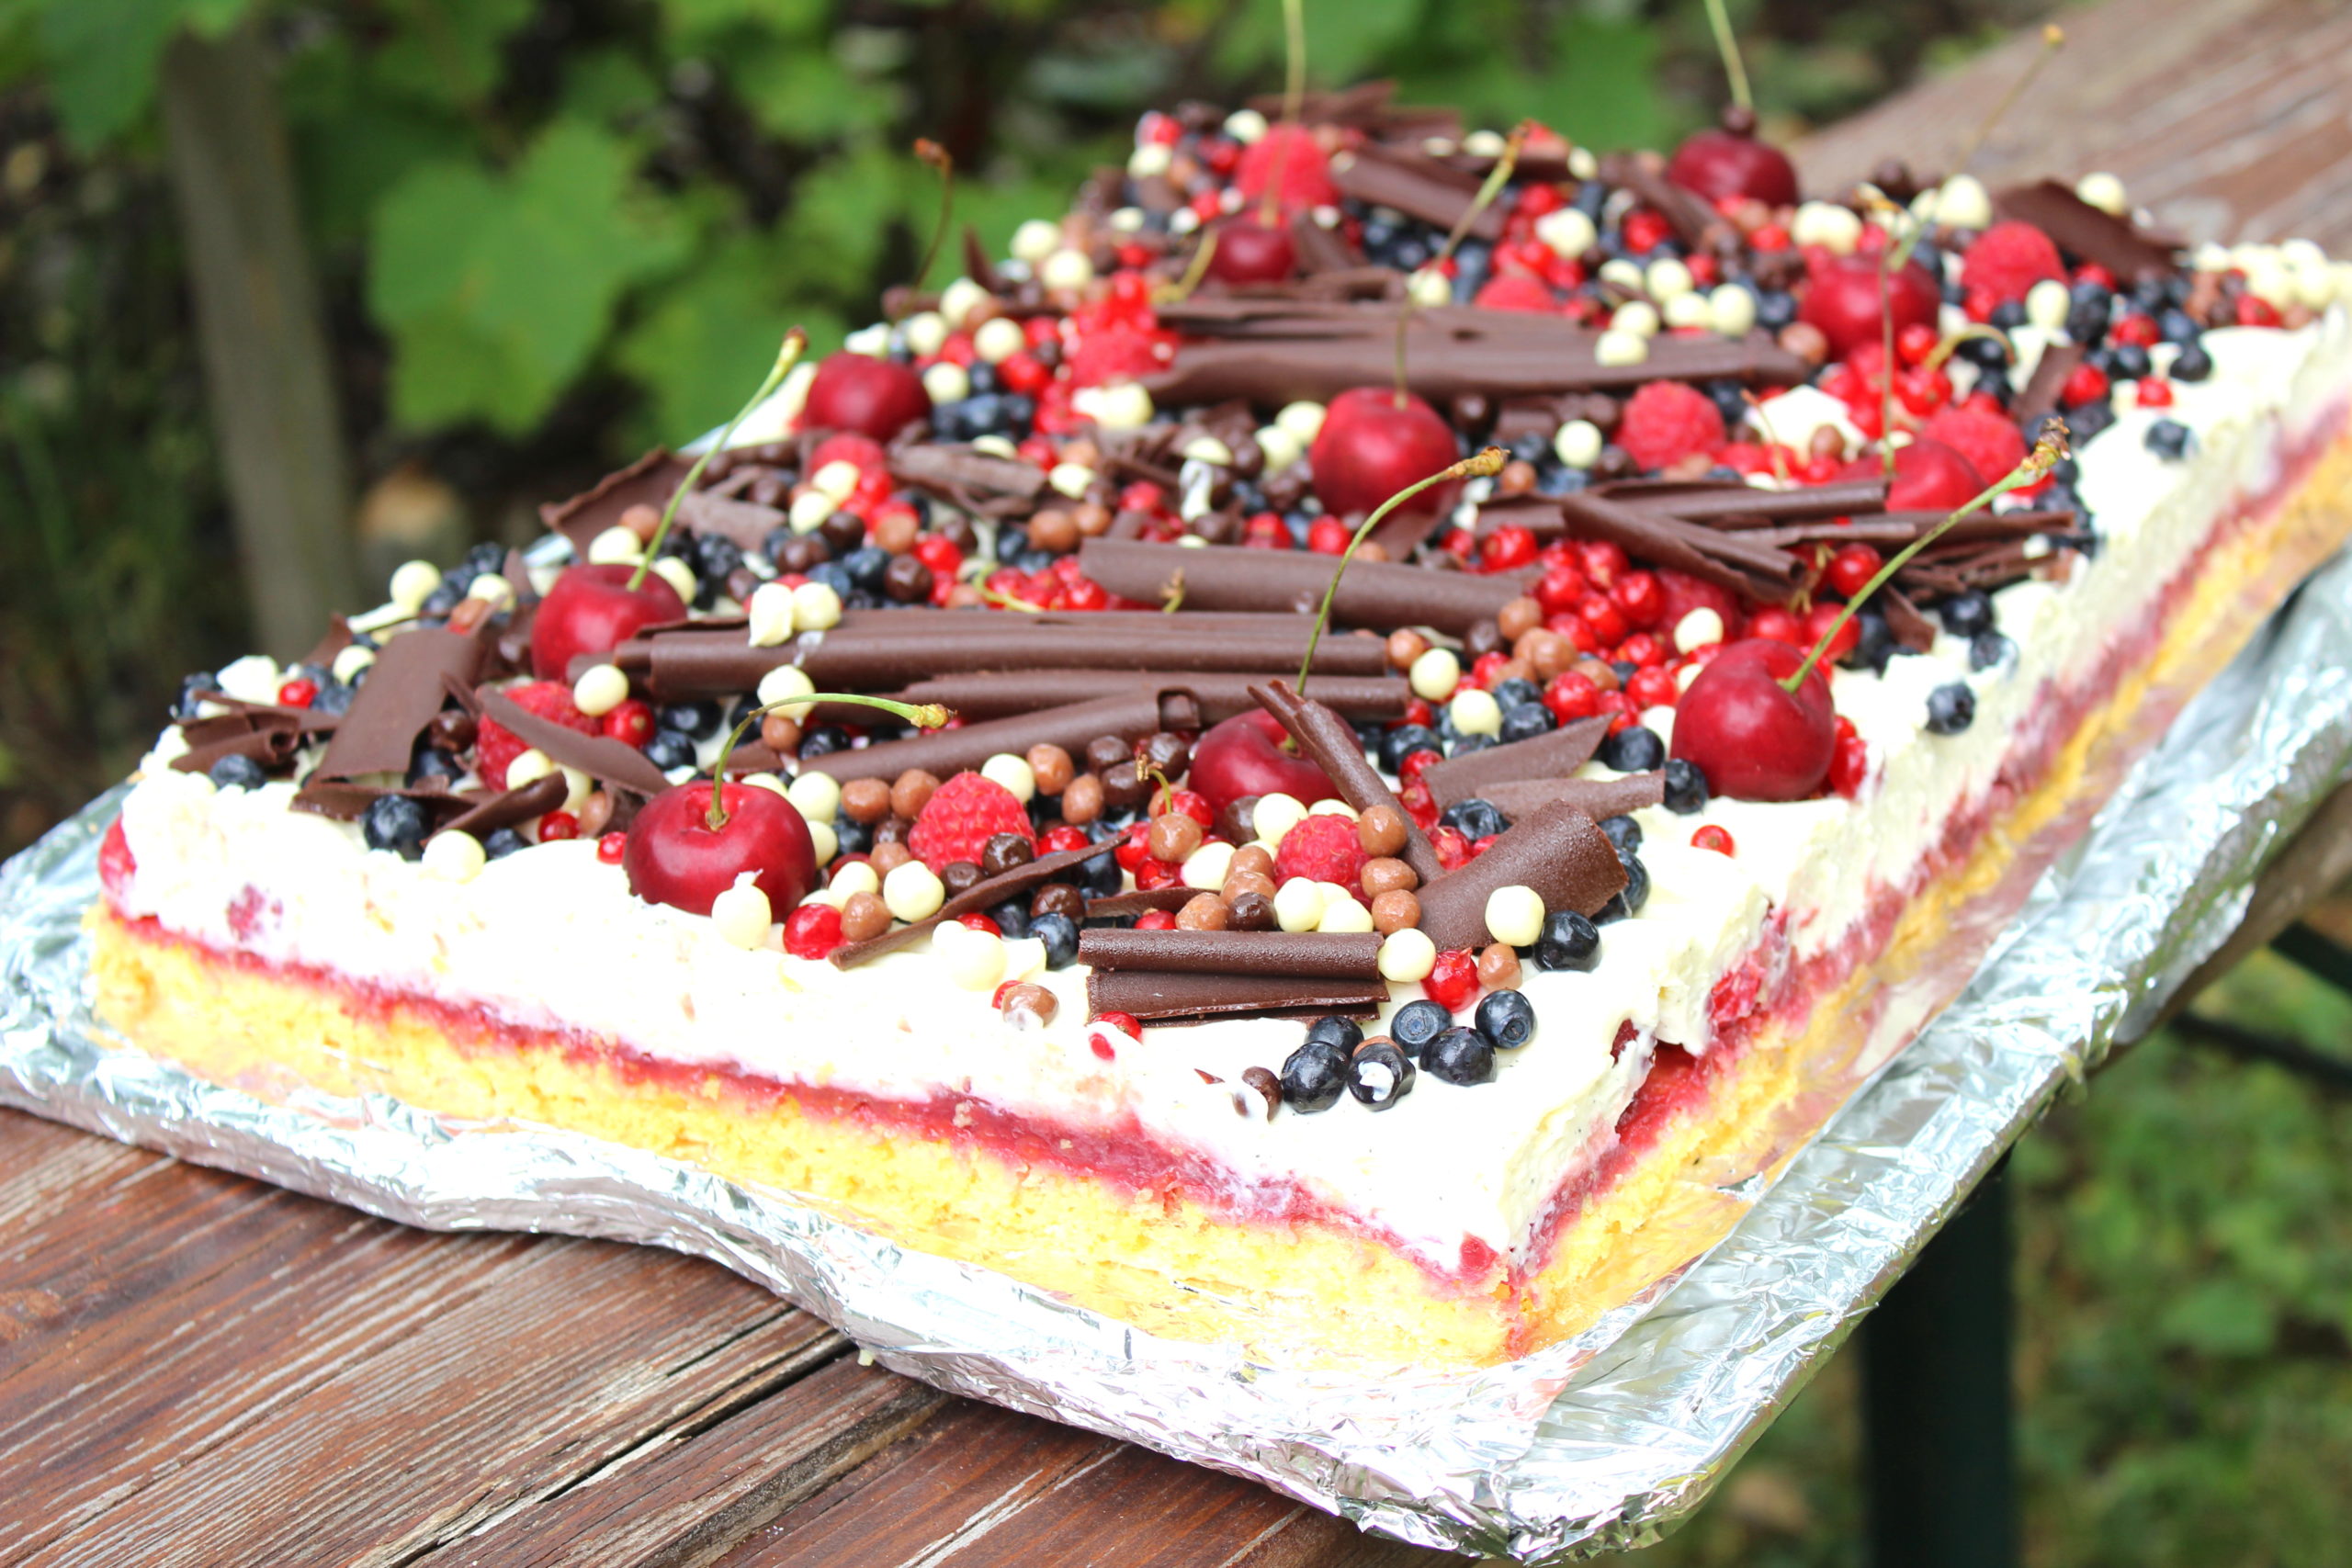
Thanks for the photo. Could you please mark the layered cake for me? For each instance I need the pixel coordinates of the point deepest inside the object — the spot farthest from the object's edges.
(1413, 989)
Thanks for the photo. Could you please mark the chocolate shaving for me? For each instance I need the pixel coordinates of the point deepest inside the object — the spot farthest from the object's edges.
(337, 637)
(648, 481)
(1367, 105)
(983, 697)
(745, 523)
(1376, 594)
(1737, 504)
(510, 808)
(608, 761)
(1325, 253)
(1330, 743)
(1709, 554)
(1415, 185)
(1643, 174)
(1319, 955)
(977, 266)
(1152, 996)
(946, 751)
(1596, 798)
(978, 482)
(2087, 232)
(273, 746)
(405, 687)
(349, 802)
(2040, 397)
(1553, 756)
(981, 895)
(1142, 901)
(1911, 628)
(1556, 850)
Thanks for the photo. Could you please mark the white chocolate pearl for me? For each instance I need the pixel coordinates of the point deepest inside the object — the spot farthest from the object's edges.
(1582, 164)
(1834, 228)
(1731, 310)
(1697, 629)
(1208, 449)
(998, 339)
(741, 915)
(1036, 239)
(1622, 273)
(809, 510)
(1013, 773)
(1206, 868)
(1639, 317)
(1070, 479)
(1435, 675)
(872, 342)
(415, 582)
(1429, 286)
(924, 332)
(823, 842)
(769, 611)
(1408, 956)
(2103, 191)
(781, 684)
(1344, 914)
(816, 607)
(1475, 712)
(1567, 233)
(454, 855)
(600, 689)
(678, 575)
(1298, 905)
(1245, 126)
(1126, 406)
(529, 767)
(837, 480)
(1578, 444)
(616, 546)
(1515, 915)
(1666, 279)
(959, 299)
(491, 588)
(1333, 808)
(912, 892)
(1304, 420)
(2046, 304)
(1963, 203)
(351, 661)
(1067, 268)
(1689, 310)
(853, 878)
(1280, 447)
(772, 782)
(944, 382)
(1275, 815)
(995, 445)
(1615, 347)
(1150, 159)
(817, 796)
(252, 679)
(977, 961)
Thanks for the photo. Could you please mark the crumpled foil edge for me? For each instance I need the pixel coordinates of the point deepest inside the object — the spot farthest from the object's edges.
(1596, 1444)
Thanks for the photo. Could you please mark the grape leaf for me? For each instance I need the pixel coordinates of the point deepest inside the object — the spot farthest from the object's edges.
(711, 332)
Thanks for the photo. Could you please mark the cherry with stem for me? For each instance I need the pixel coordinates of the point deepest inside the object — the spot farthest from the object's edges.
(795, 343)
(933, 153)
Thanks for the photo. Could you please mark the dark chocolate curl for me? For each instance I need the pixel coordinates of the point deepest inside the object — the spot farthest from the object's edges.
(1376, 594)
(946, 751)
(648, 481)
(1415, 185)
(1330, 743)
(1156, 996)
(1596, 798)
(2087, 232)
(511, 808)
(2040, 396)
(606, 761)
(1556, 850)
(1709, 554)
(349, 802)
(1320, 955)
(980, 895)
(1553, 756)
(405, 687)
(1742, 502)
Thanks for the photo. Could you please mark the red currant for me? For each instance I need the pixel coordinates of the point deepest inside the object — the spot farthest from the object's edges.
(1777, 624)
(1124, 1023)
(812, 930)
(2138, 330)
(298, 693)
(1507, 549)
(1452, 980)
(2085, 384)
(1654, 687)
(1640, 597)
(1817, 622)
(1155, 920)
(974, 920)
(558, 826)
(1852, 569)
(1713, 838)
(1452, 846)
(2156, 392)
(1327, 535)
(611, 847)
(632, 722)
(1849, 760)
(1558, 590)
(1061, 838)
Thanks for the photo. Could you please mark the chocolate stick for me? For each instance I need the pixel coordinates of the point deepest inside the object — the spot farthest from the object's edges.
(1668, 542)
(946, 751)
(1002, 693)
(1556, 850)
(1553, 756)
(1596, 798)
(1158, 997)
(981, 895)
(1376, 594)
(1330, 743)
(1322, 956)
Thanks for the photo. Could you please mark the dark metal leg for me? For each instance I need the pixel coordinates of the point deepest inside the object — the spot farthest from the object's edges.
(2314, 954)
(1939, 1454)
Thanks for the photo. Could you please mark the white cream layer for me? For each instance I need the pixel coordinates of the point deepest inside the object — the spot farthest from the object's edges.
(552, 938)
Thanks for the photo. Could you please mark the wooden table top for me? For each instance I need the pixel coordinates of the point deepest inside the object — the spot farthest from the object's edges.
(198, 1369)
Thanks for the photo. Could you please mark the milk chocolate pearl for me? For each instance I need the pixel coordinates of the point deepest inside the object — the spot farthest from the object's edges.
(1082, 799)
(1600, 674)
(1519, 617)
(1498, 967)
(1395, 911)
(864, 917)
(1052, 768)
(1516, 478)
(1382, 830)
(642, 520)
(1059, 898)
(1093, 519)
(1236, 883)
(958, 876)
(888, 856)
(1054, 530)
(1512, 669)
(865, 800)
(1805, 341)
(1166, 751)
(1253, 912)
(1005, 851)
(1123, 788)
(913, 792)
(1388, 875)
(1252, 860)
(1206, 913)
(1237, 823)
(1173, 837)
(595, 814)
(780, 733)
(1107, 751)
(1546, 652)
(1404, 647)
(1036, 1000)
(895, 532)
(1826, 442)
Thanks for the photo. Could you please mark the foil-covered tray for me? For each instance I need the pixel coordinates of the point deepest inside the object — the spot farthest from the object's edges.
(1600, 1443)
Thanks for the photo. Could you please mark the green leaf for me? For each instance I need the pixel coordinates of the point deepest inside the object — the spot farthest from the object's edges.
(799, 92)
(696, 22)
(1343, 37)
(1601, 89)
(104, 57)
(710, 334)
(446, 51)
(841, 214)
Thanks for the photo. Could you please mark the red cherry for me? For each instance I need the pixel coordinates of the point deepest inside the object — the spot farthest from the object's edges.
(1928, 476)
(878, 398)
(1752, 740)
(1250, 252)
(1718, 163)
(1841, 299)
(674, 856)
(1370, 449)
(1244, 756)
(1305, 172)
(592, 609)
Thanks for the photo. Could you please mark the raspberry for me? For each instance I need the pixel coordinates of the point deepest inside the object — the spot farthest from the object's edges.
(497, 746)
(2008, 259)
(1305, 172)
(1666, 420)
(961, 817)
(1990, 443)
(1321, 848)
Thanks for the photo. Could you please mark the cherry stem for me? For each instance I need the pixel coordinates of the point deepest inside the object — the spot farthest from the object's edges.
(786, 357)
(1497, 177)
(1293, 102)
(1726, 45)
(1194, 270)
(2053, 38)
(933, 153)
(2046, 453)
(922, 716)
(1484, 464)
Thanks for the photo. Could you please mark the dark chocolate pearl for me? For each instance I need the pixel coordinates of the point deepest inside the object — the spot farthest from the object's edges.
(1345, 1033)
(1253, 912)
(1460, 1055)
(844, 533)
(959, 876)
(1058, 898)
(1237, 823)
(802, 553)
(1168, 752)
(451, 730)
(1315, 1077)
(1379, 1074)
(1123, 787)
(1005, 851)
(893, 830)
(1107, 751)
(908, 581)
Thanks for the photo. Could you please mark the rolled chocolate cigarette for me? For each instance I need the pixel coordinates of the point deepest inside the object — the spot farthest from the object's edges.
(980, 895)
(998, 695)
(1596, 798)
(1377, 595)
(1142, 901)
(1553, 756)
(946, 751)
(1322, 956)
(1158, 997)
(1556, 850)
(1329, 742)
(1702, 503)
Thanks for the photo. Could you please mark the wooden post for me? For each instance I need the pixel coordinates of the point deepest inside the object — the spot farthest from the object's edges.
(266, 373)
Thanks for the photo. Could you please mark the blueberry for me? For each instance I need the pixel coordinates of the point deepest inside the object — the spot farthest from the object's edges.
(2008, 315)
(1966, 615)
(981, 375)
(865, 566)
(1471, 745)
(1315, 1077)
(1985, 353)
(833, 575)
(1476, 818)
(1988, 648)
(334, 696)
(1345, 1033)
(825, 739)
(1570, 941)
(852, 837)
(1507, 1018)
(1634, 749)
(1011, 919)
(505, 841)
(1417, 1023)
(439, 603)
(432, 763)
(669, 749)
(1874, 646)
(1629, 899)
(1686, 787)
(1992, 384)
(2089, 419)
(1402, 742)
(236, 772)
(2192, 363)
(185, 708)
(1775, 307)
(1623, 833)
(2168, 438)
(1098, 876)
(1511, 693)
(2176, 325)
(1060, 937)
(695, 721)
(394, 822)
(1525, 722)
(1950, 708)
(1379, 1074)
(714, 558)
(2128, 362)
(1460, 1055)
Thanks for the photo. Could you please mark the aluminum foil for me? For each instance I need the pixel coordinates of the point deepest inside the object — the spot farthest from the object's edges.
(1596, 1444)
